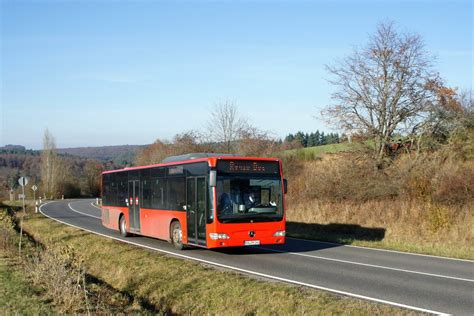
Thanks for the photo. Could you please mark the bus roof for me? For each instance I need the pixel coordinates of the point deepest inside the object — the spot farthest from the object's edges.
(189, 158)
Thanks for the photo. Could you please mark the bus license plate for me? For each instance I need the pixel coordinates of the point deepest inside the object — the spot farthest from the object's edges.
(251, 242)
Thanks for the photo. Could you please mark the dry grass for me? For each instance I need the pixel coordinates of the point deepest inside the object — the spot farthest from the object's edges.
(52, 279)
(424, 205)
(409, 225)
(176, 286)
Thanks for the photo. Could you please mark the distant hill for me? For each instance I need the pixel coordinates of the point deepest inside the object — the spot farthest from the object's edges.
(121, 155)
(16, 148)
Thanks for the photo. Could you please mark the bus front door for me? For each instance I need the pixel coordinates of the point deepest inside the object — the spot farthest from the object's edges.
(134, 205)
(196, 204)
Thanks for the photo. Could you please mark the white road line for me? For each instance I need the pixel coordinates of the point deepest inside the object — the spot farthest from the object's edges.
(367, 265)
(362, 247)
(74, 210)
(92, 203)
(379, 249)
(339, 260)
(336, 260)
(252, 272)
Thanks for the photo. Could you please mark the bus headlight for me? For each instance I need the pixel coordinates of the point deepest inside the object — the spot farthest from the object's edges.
(279, 233)
(217, 236)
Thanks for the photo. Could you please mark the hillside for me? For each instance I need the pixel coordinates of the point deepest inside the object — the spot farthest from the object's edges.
(122, 154)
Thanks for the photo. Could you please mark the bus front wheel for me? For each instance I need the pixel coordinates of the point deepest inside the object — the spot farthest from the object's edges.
(177, 235)
(123, 226)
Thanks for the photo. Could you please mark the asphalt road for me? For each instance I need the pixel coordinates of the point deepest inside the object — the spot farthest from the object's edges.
(425, 283)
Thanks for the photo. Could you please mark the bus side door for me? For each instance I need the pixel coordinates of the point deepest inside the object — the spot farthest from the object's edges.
(134, 205)
(196, 204)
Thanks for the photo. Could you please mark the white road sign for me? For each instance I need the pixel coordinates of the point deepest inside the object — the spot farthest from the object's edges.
(23, 181)
(34, 187)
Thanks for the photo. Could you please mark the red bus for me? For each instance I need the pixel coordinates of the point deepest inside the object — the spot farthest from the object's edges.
(204, 200)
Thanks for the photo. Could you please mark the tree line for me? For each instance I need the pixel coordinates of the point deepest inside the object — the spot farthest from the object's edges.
(313, 139)
(54, 174)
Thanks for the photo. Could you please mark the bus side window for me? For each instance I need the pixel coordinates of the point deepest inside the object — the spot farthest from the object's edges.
(176, 193)
(157, 190)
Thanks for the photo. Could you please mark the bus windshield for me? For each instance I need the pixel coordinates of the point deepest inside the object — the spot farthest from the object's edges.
(249, 199)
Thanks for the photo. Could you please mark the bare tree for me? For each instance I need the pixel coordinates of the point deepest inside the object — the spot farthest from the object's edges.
(254, 142)
(187, 142)
(382, 87)
(92, 172)
(226, 126)
(49, 164)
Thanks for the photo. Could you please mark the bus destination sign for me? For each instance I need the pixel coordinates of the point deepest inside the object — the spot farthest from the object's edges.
(248, 166)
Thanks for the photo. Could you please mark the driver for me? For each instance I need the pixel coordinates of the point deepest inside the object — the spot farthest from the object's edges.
(251, 200)
(225, 203)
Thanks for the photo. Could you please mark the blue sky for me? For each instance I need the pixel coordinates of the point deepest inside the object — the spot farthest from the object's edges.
(129, 72)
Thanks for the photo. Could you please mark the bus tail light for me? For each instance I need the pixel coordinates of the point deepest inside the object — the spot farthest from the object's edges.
(279, 233)
(217, 236)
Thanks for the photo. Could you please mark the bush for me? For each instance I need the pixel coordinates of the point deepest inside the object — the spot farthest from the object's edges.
(438, 217)
(7, 236)
(60, 271)
(453, 184)
(342, 177)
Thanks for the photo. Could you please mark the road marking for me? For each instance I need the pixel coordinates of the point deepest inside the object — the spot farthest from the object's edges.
(343, 261)
(379, 249)
(367, 264)
(249, 271)
(74, 210)
(336, 260)
(92, 203)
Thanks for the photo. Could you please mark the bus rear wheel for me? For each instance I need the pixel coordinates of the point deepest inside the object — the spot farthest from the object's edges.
(123, 226)
(177, 235)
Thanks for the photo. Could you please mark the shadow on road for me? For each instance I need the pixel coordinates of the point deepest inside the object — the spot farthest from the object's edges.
(336, 232)
(333, 232)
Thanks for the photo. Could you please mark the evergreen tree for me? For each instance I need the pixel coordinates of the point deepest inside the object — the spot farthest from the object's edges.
(289, 138)
(311, 140)
(316, 139)
(300, 136)
(322, 139)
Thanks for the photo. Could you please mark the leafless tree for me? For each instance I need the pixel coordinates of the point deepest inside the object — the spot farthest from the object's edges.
(382, 87)
(49, 164)
(187, 142)
(226, 126)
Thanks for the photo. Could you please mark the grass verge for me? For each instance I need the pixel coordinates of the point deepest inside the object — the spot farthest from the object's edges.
(17, 297)
(52, 279)
(176, 286)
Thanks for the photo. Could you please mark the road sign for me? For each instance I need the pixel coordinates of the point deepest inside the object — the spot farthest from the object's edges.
(34, 187)
(23, 181)
(21, 196)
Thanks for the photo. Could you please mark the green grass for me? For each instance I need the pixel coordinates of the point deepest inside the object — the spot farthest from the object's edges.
(17, 297)
(311, 153)
(178, 286)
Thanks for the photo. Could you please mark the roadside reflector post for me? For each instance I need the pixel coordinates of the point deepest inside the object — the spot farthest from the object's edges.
(22, 181)
(34, 188)
(62, 197)
(36, 206)
(97, 201)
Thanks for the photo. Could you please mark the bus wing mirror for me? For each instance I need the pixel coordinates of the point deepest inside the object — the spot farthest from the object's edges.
(285, 186)
(212, 178)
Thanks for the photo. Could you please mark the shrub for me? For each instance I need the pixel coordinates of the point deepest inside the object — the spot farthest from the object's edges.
(60, 271)
(454, 184)
(438, 217)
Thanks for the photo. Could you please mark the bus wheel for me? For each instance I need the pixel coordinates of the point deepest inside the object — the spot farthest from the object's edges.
(123, 226)
(177, 235)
